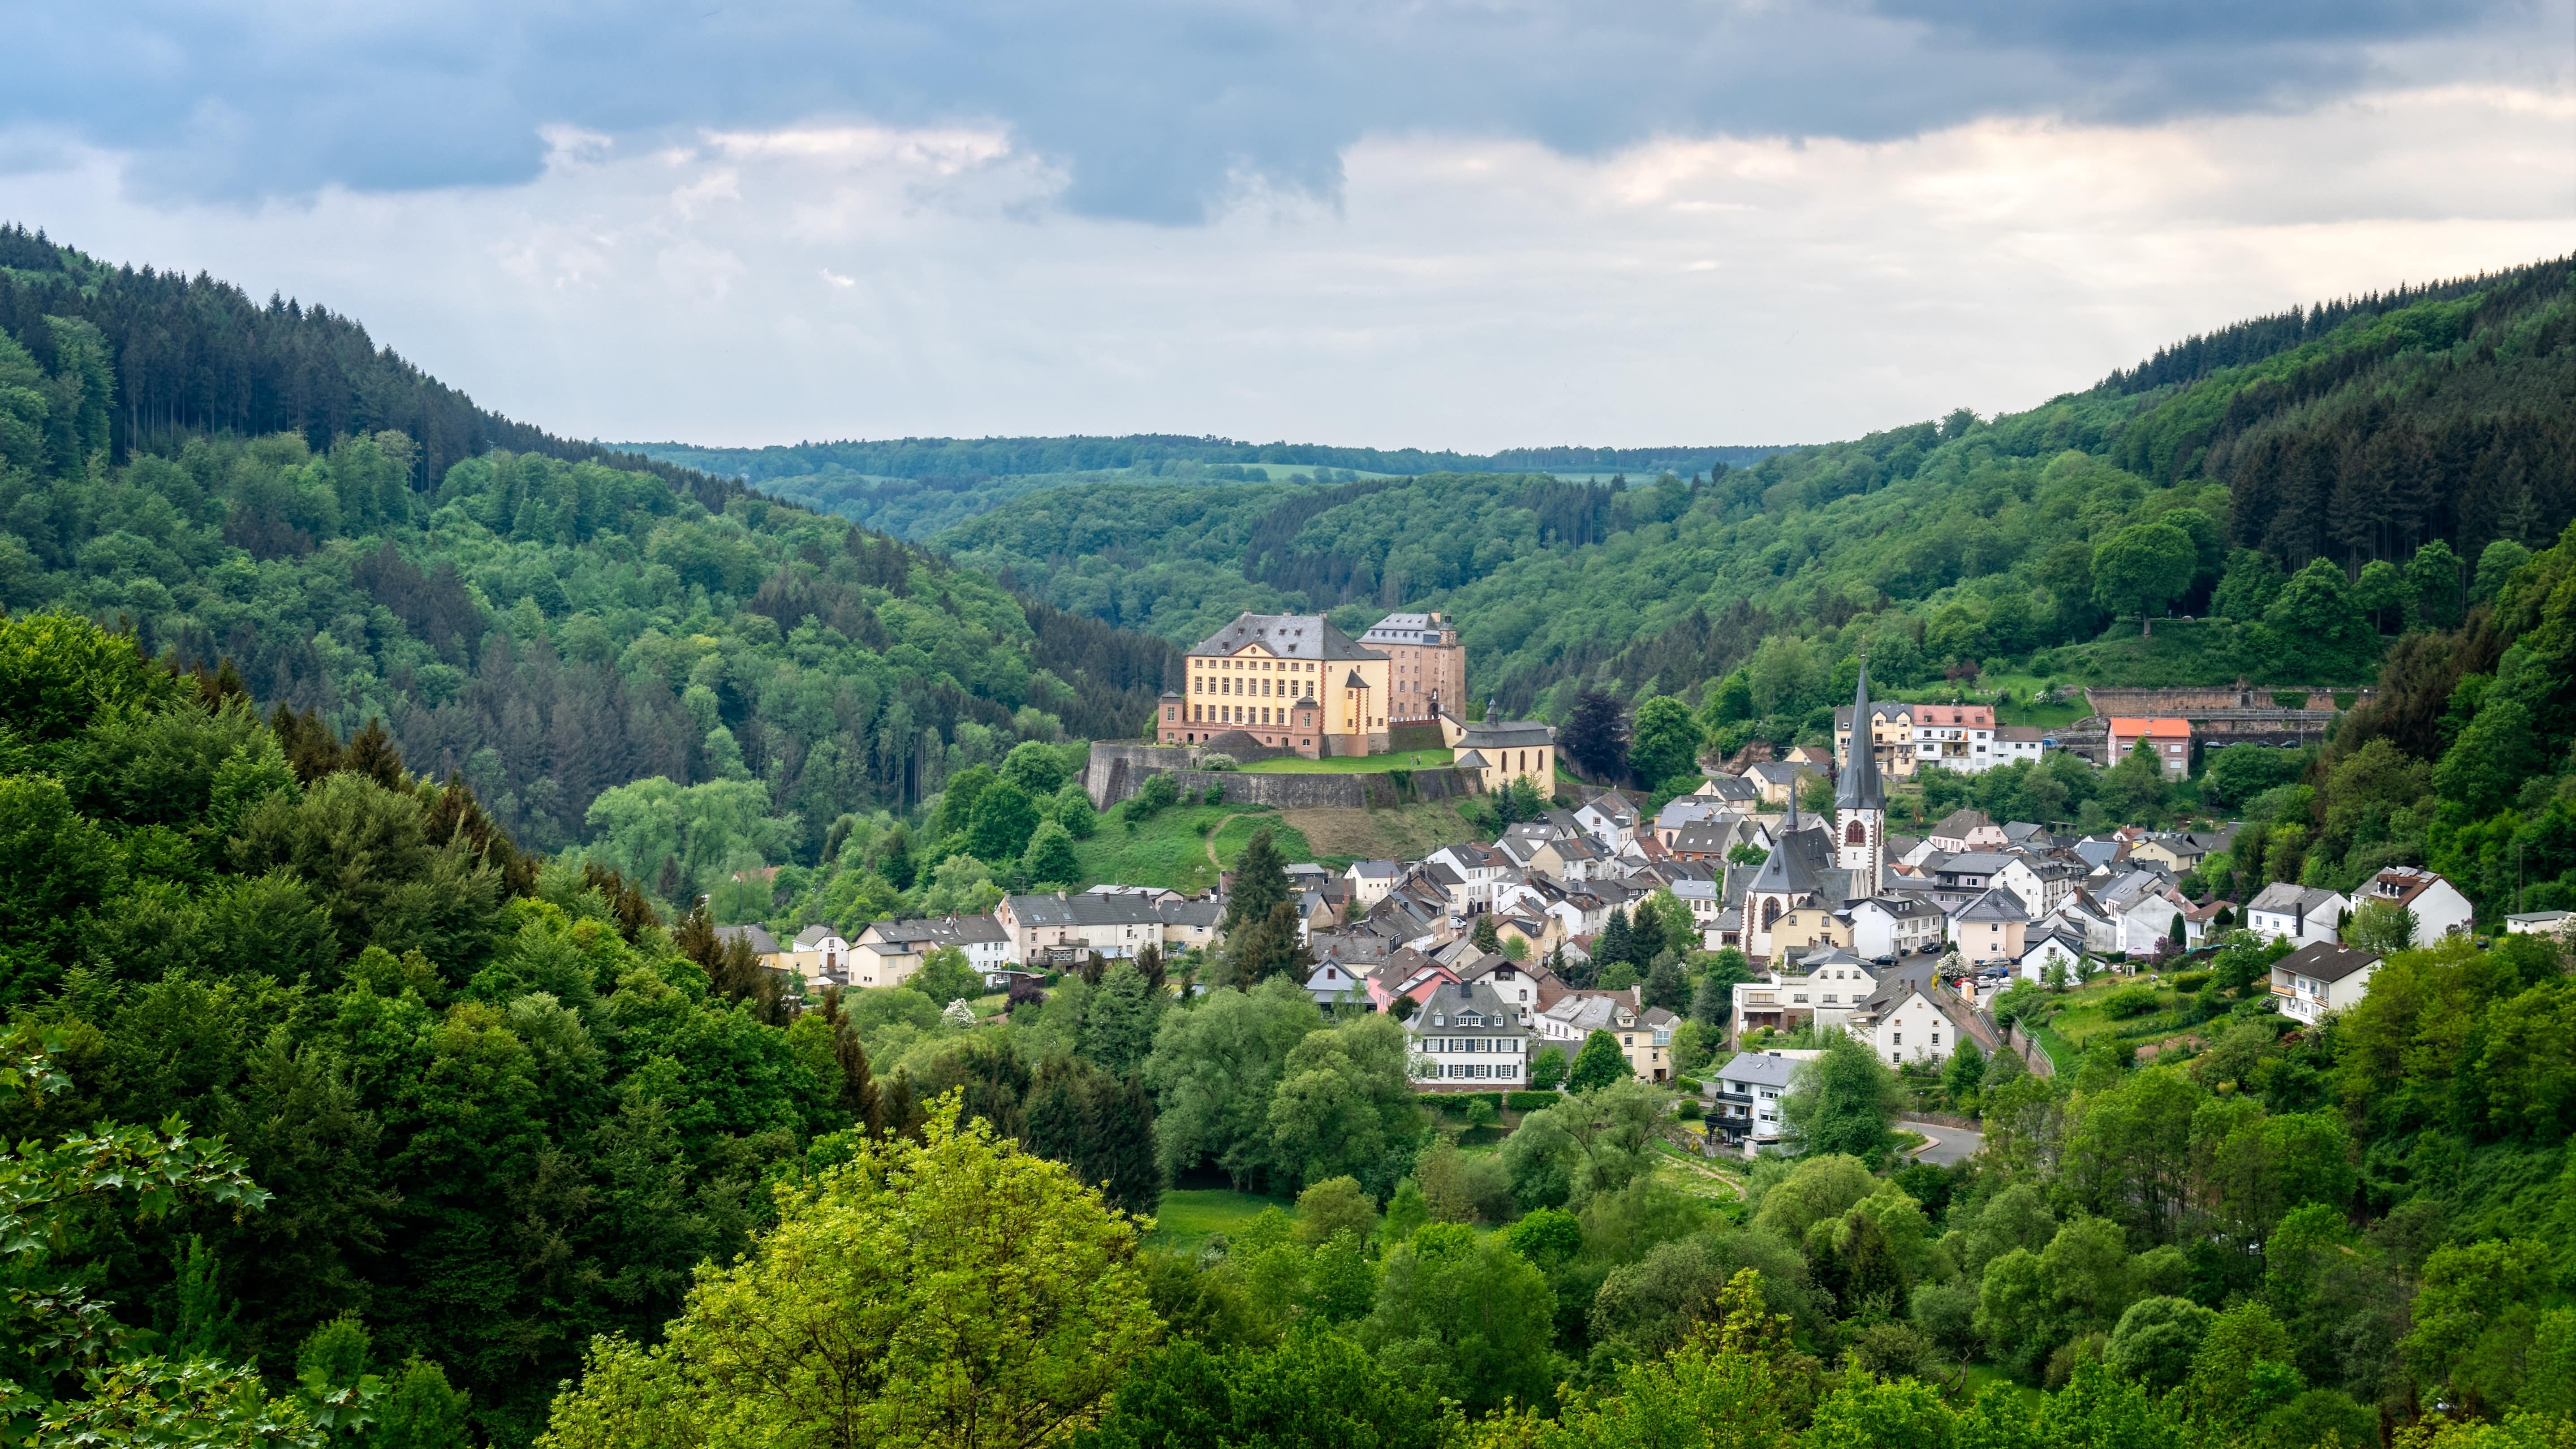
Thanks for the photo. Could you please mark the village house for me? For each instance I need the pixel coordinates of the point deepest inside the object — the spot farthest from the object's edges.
(1989, 928)
(2047, 944)
(2319, 979)
(1959, 738)
(1964, 830)
(2300, 915)
(1776, 780)
(1895, 926)
(1464, 1038)
(1426, 666)
(2170, 739)
(1891, 736)
(1281, 681)
(2434, 904)
(1371, 880)
(1748, 1092)
(819, 956)
(1912, 1017)
(887, 953)
(1058, 930)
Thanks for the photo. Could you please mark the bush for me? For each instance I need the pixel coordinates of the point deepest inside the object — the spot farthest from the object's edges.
(1456, 1104)
(2130, 1001)
(1690, 1109)
(2191, 981)
(1686, 1084)
(1531, 1101)
(1219, 760)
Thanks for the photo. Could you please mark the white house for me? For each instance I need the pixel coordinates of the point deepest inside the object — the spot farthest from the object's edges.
(2300, 915)
(1894, 926)
(1331, 982)
(1465, 1039)
(2045, 945)
(2317, 980)
(1913, 1019)
(820, 956)
(1609, 819)
(1965, 830)
(1748, 1092)
(1371, 880)
(2436, 905)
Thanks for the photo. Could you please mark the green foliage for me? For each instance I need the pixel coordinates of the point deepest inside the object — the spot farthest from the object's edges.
(1466, 1318)
(1598, 1064)
(1842, 1103)
(899, 1264)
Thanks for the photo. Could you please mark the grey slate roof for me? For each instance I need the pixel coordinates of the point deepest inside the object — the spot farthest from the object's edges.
(761, 941)
(2326, 962)
(1291, 636)
(1858, 789)
(1760, 1069)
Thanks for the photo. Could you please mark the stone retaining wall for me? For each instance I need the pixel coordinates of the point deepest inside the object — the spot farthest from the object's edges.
(1117, 771)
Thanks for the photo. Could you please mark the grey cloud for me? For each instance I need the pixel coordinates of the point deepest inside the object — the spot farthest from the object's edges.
(1151, 106)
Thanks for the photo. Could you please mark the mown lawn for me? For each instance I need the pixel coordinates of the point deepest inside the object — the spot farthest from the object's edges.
(1171, 849)
(1354, 764)
(1188, 1215)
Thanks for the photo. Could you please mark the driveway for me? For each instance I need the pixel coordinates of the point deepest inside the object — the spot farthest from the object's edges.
(1946, 1144)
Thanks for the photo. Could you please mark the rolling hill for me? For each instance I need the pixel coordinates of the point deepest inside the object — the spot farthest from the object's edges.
(548, 619)
(2359, 432)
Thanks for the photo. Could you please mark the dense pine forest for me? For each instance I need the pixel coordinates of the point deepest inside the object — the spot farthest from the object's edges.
(547, 621)
(2304, 477)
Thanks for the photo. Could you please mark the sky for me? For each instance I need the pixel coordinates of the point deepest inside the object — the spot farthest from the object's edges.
(1468, 224)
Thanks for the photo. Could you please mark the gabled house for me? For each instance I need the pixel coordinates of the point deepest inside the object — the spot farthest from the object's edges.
(1609, 819)
(2300, 915)
(1331, 982)
(2045, 944)
(1370, 880)
(1964, 830)
(1465, 1039)
(2319, 979)
(2436, 906)
(1895, 925)
(1990, 928)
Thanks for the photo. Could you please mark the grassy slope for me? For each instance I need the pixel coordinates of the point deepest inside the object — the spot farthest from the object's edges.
(1171, 849)
(1340, 836)
(1355, 764)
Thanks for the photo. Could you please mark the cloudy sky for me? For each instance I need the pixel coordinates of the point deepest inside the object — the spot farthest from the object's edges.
(1449, 223)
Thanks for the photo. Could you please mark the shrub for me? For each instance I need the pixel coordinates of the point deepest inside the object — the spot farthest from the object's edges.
(2130, 1001)
(1219, 760)
(1690, 1109)
(1686, 1084)
(2191, 981)
(1531, 1101)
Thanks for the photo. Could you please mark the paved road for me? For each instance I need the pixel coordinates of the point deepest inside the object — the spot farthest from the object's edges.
(1948, 1144)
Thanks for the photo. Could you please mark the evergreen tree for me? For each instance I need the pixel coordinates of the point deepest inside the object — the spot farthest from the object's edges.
(1118, 1029)
(1647, 936)
(894, 859)
(1269, 948)
(1965, 1072)
(1486, 937)
(1614, 943)
(1121, 1152)
(1665, 985)
(1260, 882)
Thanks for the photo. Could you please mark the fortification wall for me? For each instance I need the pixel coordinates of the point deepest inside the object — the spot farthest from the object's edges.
(1117, 771)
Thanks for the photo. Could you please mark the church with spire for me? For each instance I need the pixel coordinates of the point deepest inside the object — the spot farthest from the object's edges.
(1818, 867)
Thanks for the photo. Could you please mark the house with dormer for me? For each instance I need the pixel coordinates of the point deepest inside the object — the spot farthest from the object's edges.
(1464, 1038)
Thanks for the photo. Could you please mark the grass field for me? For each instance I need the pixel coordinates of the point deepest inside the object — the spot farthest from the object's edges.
(1339, 835)
(1189, 1215)
(1172, 848)
(1353, 764)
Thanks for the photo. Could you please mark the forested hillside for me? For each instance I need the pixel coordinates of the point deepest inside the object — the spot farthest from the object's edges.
(545, 620)
(2321, 477)
(915, 487)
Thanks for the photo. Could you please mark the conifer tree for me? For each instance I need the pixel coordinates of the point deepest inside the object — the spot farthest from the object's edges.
(1260, 881)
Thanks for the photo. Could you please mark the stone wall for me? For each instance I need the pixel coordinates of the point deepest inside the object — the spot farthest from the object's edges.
(2193, 703)
(1117, 771)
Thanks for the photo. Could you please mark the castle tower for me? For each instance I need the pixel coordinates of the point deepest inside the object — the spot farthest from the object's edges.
(1860, 809)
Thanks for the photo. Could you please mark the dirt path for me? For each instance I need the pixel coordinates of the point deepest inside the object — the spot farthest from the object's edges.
(1216, 830)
